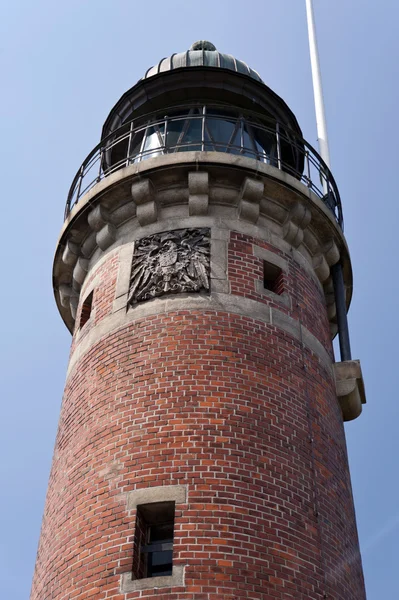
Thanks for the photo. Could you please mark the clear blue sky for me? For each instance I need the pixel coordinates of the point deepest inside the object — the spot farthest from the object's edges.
(63, 66)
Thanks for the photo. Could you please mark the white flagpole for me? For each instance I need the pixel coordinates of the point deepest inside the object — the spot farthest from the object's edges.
(317, 86)
(336, 270)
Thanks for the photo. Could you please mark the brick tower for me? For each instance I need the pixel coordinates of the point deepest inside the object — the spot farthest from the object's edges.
(203, 271)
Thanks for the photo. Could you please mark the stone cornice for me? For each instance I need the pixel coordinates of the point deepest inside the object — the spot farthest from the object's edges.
(204, 189)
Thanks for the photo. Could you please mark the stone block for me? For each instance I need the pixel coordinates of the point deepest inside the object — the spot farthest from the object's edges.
(333, 330)
(124, 213)
(129, 585)
(293, 234)
(106, 236)
(70, 254)
(219, 259)
(350, 388)
(147, 213)
(80, 270)
(271, 257)
(250, 198)
(160, 493)
(285, 322)
(144, 199)
(198, 186)
(73, 304)
(321, 268)
(66, 291)
(220, 286)
(278, 298)
(89, 245)
(142, 191)
(331, 253)
(297, 220)
(98, 217)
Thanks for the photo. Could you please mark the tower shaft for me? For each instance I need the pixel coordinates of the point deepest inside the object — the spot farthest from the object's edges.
(201, 451)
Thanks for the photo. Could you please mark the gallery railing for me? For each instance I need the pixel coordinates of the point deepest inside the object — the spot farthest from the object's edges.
(273, 145)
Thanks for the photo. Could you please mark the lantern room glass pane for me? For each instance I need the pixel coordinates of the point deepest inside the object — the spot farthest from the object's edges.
(266, 146)
(175, 129)
(215, 129)
(220, 133)
(154, 141)
(135, 144)
(192, 135)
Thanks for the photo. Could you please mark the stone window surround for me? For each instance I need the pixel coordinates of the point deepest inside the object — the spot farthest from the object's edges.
(277, 261)
(86, 309)
(91, 289)
(163, 493)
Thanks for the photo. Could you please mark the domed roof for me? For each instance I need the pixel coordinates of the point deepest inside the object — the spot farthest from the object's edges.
(202, 54)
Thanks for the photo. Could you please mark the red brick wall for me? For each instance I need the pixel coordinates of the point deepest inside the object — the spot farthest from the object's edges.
(105, 278)
(307, 298)
(240, 413)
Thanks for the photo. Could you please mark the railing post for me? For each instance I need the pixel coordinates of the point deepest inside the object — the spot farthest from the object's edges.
(80, 182)
(241, 135)
(308, 168)
(330, 197)
(129, 146)
(67, 208)
(342, 319)
(164, 135)
(324, 180)
(100, 166)
(203, 128)
(278, 145)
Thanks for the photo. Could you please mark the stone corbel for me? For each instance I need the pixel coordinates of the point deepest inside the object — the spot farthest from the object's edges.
(73, 305)
(106, 236)
(98, 217)
(321, 268)
(80, 270)
(330, 299)
(198, 188)
(250, 198)
(70, 254)
(333, 329)
(331, 253)
(99, 220)
(66, 292)
(322, 262)
(350, 388)
(144, 198)
(89, 245)
(297, 220)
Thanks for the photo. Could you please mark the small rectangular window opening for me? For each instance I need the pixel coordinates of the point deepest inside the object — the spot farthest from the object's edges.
(86, 310)
(272, 278)
(153, 540)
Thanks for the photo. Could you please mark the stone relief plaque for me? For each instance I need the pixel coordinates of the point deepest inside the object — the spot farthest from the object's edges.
(170, 263)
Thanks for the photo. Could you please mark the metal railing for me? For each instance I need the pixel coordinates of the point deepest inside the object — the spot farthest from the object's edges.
(274, 145)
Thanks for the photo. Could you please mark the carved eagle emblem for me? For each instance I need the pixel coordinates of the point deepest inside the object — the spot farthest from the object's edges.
(170, 262)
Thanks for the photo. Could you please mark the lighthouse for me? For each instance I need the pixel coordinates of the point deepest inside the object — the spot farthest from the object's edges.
(203, 273)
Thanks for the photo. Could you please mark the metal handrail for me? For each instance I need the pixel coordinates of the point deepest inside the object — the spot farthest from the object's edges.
(289, 153)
